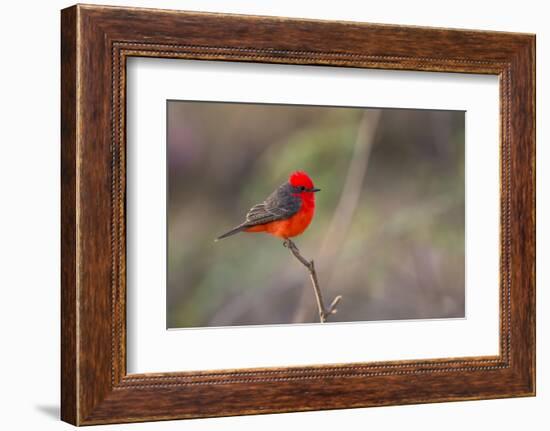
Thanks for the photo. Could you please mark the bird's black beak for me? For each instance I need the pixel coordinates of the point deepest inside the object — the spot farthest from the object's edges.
(314, 190)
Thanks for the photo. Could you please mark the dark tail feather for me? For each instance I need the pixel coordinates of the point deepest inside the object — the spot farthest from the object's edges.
(231, 232)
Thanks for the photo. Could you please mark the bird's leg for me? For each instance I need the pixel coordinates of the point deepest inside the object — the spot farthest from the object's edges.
(323, 311)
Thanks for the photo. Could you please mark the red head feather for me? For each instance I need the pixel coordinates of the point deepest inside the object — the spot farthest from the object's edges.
(300, 178)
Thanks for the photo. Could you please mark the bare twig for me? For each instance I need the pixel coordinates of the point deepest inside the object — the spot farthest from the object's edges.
(324, 312)
(349, 199)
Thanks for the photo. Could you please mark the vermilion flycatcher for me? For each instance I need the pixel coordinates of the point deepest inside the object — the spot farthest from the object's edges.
(286, 213)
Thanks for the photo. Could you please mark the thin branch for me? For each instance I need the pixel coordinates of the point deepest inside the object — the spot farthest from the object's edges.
(324, 312)
(349, 199)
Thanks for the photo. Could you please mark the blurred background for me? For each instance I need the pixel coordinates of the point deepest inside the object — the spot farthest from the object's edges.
(388, 233)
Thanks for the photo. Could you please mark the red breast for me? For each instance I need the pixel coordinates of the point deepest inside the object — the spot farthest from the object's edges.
(290, 227)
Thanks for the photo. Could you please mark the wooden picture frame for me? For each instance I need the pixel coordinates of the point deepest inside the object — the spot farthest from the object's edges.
(95, 43)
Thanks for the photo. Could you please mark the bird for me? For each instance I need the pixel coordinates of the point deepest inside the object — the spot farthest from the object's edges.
(285, 213)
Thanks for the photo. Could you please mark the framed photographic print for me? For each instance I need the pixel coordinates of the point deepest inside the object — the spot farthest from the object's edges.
(265, 215)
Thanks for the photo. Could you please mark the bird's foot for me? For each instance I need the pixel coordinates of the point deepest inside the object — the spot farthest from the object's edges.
(289, 244)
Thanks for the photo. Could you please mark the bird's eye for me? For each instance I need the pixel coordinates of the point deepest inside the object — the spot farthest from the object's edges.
(302, 188)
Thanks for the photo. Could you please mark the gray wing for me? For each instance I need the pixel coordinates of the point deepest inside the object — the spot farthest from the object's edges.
(280, 205)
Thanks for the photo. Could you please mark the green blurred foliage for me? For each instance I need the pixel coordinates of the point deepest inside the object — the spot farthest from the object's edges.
(402, 255)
